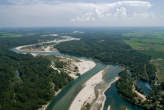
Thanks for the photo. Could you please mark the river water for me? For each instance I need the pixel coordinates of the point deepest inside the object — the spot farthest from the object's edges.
(63, 100)
(144, 86)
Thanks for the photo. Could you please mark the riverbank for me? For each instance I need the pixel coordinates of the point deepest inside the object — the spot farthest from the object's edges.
(142, 96)
(46, 105)
(87, 94)
(76, 67)
(99, 102)
(84, 65)
(32, 48)
(47, 48)
(103, 102)
(92, 95)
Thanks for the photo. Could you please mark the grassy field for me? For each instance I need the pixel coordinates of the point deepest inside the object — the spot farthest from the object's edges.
(9, 35)
(133, 34)
(151, 44)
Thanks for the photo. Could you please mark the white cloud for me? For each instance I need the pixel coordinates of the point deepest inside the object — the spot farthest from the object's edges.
(122, 11)
(85, 18)
(114, 9)
(41, 13)
(133, 3)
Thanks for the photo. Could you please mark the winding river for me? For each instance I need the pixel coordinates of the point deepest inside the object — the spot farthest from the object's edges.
(63, 100)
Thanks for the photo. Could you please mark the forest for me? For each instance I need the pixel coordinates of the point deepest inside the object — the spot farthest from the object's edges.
(27, 82)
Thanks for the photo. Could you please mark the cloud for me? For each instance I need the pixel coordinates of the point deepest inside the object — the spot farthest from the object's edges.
(85, 18)
(115, 9)
(28, 2)
(60, 13)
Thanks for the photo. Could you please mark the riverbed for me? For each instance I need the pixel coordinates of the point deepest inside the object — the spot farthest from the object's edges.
(64, 99)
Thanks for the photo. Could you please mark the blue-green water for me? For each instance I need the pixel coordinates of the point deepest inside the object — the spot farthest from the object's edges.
(144, 86)
(112, 96)
(18, 74)
(111, 73)
(116, 101)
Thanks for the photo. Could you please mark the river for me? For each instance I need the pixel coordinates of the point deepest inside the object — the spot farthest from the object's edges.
(63, 100)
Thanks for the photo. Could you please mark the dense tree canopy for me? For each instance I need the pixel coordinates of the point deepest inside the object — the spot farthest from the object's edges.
(27, 82)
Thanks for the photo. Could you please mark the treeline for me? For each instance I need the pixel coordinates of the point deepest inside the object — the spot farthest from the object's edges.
(125, 86)
(36, 82)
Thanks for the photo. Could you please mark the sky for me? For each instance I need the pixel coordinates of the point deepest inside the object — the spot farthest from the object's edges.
(81, 13)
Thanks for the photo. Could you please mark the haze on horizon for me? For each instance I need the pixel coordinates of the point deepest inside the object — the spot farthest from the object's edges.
(51, 13)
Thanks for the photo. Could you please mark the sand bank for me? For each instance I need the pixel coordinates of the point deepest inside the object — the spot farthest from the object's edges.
(84, 65)
(48, 48)
(87, 94)
(109, 107)
(143, 97)
(140, 95)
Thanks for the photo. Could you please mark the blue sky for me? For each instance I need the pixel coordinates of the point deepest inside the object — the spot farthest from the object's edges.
(95, 13)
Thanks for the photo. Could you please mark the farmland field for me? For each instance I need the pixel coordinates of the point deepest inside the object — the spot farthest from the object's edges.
(9, 35)
(151, 44)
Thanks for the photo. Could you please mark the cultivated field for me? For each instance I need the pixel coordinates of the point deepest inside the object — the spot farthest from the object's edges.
(9, 35)
(151, 44)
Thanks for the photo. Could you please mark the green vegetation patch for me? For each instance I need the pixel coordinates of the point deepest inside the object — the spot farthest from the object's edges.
(149, 44)
(10, 35)
(37, 84)
(159, 63)
(133, 34)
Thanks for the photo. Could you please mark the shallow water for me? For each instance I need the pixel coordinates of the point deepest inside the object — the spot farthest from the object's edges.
(116, 101)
